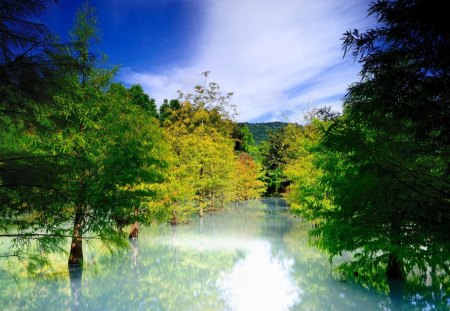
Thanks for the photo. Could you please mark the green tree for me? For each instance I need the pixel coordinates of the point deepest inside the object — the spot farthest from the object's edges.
(205, 169)
(111, 147)
(386, 160)
(304, 193)
(203, 150)
(166, 109)
(281, 147)
(244, 138)
(30, 72)
(138, 97)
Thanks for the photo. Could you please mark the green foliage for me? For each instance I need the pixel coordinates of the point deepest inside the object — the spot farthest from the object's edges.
(305, 193)
(244, 138)
(91, 162)
(248, 178)
(203, 151)
(138, 97)
(29, 75)
(167, 108)
(204, 168)
(281, 148)
(384, 164)
(208, 96)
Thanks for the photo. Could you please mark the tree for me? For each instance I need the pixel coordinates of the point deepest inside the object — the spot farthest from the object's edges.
(244, 138)
(304, 193)
(111, 147)
(204, 169)
(138, 97)
(279, 150)
(166, 109)
(203, 152)
(386, 160)
(248, 183)
(30, 72)
(27, 65)
(208, 96)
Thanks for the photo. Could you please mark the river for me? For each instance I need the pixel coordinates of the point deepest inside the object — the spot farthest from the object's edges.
(253, 255)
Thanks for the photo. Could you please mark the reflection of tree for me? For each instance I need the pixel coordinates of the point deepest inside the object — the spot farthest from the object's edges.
(171, 277)
(434, 294)
(76, 276)
(323, 290)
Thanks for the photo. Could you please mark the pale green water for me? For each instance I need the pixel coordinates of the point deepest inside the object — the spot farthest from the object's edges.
(251, 257)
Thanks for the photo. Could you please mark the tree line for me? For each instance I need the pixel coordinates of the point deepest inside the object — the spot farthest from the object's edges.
(83, 157)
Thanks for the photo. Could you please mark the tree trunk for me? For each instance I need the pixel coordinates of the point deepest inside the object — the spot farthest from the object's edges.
(213, 200)
(396, 293)
(76, 247)
(134, 232)
(135, 227)
(75, 276)
(394, 268)
(201, 212)
(174, 220)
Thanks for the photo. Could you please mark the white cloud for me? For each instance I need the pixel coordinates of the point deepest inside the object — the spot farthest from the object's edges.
(263, 51)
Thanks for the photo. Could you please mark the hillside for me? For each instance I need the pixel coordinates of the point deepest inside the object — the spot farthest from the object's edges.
(261, 131)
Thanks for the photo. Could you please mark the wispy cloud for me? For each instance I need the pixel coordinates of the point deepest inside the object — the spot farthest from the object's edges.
(279, 57)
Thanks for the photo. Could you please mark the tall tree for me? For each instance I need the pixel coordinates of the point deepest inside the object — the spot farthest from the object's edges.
(200, 133)
(109, 143)
(29, 75)
(27, 68)
(138, 97)
(386, 160)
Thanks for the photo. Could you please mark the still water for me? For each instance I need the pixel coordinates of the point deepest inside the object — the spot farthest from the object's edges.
(251, 256)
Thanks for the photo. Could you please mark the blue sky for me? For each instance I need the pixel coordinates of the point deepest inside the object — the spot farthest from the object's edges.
(280, 58)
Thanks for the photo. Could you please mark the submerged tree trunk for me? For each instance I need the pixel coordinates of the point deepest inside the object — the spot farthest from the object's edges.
(174, 219)
(396, 293)
(75, 276)
(76, 247)
(134, 232)
(134, 256)
(201, 224)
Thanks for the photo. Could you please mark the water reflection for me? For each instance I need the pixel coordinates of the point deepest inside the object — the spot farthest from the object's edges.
(252, 256)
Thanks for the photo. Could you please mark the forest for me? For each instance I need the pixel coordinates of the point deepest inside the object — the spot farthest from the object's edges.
(84, 157)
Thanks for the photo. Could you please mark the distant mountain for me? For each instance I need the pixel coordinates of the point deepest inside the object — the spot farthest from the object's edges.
(261, 131)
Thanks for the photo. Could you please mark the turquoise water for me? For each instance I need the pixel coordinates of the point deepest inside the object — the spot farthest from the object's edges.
(251, 256)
